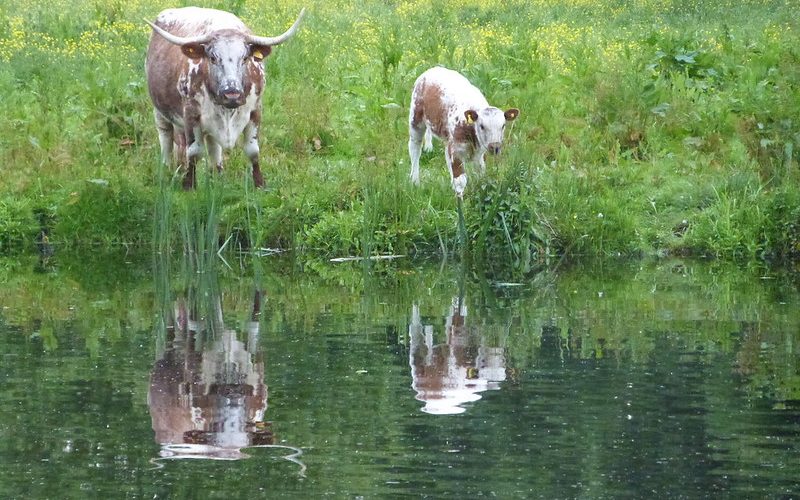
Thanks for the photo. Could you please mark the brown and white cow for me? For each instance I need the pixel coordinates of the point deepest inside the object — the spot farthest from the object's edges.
(205, 74)
(207, 395)
(449, 374)
(445, 104)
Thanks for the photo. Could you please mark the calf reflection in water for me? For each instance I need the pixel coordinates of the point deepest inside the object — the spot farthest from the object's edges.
(207, 395)
(445, 376)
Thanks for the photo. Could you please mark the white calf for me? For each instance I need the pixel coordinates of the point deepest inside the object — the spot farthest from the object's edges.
(447, 105)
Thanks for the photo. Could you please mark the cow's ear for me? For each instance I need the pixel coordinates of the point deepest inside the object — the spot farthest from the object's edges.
(259, 52)
(511, 114)
(193, 50)
(471, 115)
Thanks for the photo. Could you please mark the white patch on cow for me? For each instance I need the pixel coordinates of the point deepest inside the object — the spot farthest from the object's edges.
(194, 67)
(198, 20)
(222, 124)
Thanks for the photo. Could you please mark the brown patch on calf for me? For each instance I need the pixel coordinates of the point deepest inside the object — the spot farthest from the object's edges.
(428, 106)
(465, 134)
(457, 167)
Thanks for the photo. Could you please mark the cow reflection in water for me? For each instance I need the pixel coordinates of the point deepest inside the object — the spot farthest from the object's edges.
(207, 395)
(455, 372)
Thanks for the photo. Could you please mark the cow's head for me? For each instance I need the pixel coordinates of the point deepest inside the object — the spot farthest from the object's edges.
(489, 125)
(227, 53)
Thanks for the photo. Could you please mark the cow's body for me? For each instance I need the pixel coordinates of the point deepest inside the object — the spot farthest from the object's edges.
(447, 375)
(209, 402)
(205, 76)
(445, 104)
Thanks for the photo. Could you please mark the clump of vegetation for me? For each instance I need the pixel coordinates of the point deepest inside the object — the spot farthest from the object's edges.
(660, 127)
(505, 221)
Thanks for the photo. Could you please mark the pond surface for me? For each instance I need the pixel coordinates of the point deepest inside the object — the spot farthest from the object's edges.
(150, 379)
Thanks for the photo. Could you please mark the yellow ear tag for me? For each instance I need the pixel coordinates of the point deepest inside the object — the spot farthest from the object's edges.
(257, 54)
(470, 121)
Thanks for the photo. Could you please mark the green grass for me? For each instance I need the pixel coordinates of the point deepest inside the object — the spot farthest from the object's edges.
(646, 127)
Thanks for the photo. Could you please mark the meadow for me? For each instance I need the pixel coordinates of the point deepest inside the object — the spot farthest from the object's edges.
(647, 128)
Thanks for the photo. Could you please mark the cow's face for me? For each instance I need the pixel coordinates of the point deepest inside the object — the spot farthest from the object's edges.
(489, 126)
(229, 58)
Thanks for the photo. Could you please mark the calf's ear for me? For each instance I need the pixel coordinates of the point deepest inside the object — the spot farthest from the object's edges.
(193, 50)
(471, 115)
(511, 114)
(259, 52)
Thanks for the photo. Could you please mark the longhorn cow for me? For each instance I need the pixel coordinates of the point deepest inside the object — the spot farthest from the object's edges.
(205, 74)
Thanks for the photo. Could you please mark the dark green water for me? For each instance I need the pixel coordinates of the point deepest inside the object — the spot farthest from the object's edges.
(127, 379)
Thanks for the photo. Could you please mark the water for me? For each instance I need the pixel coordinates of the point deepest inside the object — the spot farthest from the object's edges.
(127, 378)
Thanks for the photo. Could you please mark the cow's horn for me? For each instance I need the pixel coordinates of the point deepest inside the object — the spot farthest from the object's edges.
(178, 40)
(275, 40)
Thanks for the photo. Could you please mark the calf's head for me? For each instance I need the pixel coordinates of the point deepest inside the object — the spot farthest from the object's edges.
(227, 54)
(489, 125)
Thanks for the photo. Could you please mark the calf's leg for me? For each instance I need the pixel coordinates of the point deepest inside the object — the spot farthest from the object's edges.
(415, 137)
(428, 142)
(458, 176)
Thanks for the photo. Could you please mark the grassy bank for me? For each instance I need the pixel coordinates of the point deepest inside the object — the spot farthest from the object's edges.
(646, 127)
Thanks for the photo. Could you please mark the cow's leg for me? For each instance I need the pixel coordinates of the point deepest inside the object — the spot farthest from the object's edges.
(427, 144)
(214, 153)
(251, 148)
(194, 142)
(482, 162)
(165, 134)
(180, 146)
(415, 137)
(458, 176)
(194, 150)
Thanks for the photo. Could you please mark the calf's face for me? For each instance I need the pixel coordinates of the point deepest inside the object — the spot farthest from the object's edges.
(489, 126)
